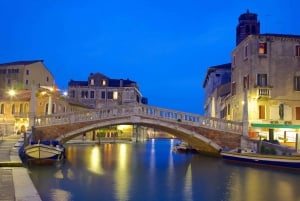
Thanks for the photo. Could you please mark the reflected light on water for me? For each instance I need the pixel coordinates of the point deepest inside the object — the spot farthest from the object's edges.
(60, 195)
(95, 164)
(188, 185)
(122, 176)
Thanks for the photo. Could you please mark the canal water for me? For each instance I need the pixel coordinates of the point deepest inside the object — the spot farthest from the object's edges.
(150, 171)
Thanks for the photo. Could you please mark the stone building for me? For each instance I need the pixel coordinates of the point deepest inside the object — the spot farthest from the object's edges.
(267, 68)
(216, 86)
(20, 75)
(99, 91)
(15, 110)
(265, 84)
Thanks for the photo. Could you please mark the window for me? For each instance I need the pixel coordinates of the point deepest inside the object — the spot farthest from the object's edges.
(103, 94)
(298, 50)
(103, 82)
(246, 51)
(297, 83)
(92, 82)
(47, 79)
(246, 82)
(13, 109)
(72, 93)
(297, 113)
(27, 72)
(92, 94)
(26, 82)
(262, 48)
(115, 95)
(233, 60)
(228, 109)
(2, 109)
(110, 95)
(84, 94)
(262, 112)
(21, 109)
(262, 80)
(233, 88)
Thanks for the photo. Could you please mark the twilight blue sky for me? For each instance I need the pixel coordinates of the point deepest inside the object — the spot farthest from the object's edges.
(165, 46)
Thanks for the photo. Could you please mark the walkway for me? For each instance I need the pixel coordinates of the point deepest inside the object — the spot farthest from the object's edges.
(15, 182)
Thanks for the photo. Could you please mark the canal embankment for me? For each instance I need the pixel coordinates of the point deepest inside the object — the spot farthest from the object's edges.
(15, 181)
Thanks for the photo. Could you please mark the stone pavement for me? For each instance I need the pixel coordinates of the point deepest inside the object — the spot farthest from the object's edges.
(15, 183)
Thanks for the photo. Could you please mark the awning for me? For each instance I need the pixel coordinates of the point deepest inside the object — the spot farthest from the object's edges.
(258, 125)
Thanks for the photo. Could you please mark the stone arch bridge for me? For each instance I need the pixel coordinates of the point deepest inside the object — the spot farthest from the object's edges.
(208, 135)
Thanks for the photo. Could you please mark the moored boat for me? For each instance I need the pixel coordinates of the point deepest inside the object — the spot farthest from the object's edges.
(184, 147)
(250, 157)
(44, 152)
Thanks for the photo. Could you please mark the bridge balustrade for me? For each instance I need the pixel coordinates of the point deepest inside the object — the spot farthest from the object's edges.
(146, 111)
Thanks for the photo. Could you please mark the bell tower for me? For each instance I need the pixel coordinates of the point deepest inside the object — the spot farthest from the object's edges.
(248, 25)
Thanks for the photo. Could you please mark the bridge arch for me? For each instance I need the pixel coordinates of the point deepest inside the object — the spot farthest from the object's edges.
(197, 140)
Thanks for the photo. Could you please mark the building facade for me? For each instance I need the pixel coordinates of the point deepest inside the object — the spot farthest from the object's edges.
(217, 87)
(15, 110)
(20, 75)
(99, 91)
(267, 68)
(264, 87)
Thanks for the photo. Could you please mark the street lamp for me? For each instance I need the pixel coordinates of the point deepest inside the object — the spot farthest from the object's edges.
(11, 93)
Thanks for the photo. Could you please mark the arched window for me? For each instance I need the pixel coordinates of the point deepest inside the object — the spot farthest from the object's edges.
(46, 108)
(2, 109)
(21, 109)
(13, 109)
(26, 109)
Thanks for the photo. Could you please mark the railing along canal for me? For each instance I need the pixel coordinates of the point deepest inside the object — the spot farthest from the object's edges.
(146, 111)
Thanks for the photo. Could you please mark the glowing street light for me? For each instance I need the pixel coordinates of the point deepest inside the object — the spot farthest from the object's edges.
(11, 93)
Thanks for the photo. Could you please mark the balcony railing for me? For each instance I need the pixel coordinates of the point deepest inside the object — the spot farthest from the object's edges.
(264, 92)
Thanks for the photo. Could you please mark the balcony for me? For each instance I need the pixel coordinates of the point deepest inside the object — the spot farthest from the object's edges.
(263, 92)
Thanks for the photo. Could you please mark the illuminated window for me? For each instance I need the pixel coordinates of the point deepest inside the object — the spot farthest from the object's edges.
(92, 82)
(103, 82)
(115, 95)
(262, 80)
(297, 83)
(262, 112)
(298, 50)
(262, 48)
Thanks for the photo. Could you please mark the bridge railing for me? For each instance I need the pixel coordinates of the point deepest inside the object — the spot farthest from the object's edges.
(141, 110)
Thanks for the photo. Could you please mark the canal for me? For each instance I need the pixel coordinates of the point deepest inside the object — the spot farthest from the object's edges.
(151, 171)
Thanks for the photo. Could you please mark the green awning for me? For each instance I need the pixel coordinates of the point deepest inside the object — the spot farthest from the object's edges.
(257, 125)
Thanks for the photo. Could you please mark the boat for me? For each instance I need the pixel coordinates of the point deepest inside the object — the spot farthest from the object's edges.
(251, 157)
(184, 147)
(44, 152)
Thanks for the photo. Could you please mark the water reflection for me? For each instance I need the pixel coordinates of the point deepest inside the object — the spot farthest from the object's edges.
(122, 174)
(151, 171)
(95, 163)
